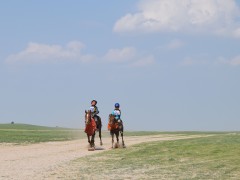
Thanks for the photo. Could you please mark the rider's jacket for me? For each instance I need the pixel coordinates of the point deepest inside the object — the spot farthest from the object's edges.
(94, 110)
(117, 114)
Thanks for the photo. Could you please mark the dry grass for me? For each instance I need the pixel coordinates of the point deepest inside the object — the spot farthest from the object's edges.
(215, 157)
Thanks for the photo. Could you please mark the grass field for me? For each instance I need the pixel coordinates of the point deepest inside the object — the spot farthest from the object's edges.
(214, 157)
(24, 133)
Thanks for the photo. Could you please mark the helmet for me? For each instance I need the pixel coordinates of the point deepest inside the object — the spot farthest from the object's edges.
(94, 101)
(117, 105)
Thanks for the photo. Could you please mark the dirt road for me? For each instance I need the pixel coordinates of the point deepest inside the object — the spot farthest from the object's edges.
(39, 161)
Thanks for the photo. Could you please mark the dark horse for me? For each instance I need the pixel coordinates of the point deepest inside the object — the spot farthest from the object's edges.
(90, 126)
(115, 127)
(99, 128)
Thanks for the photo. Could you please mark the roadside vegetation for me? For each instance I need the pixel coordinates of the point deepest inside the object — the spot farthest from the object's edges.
(25, 133)
(213, 157)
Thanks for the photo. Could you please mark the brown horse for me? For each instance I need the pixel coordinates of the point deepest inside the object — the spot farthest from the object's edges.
(115, 127)
(90, 128)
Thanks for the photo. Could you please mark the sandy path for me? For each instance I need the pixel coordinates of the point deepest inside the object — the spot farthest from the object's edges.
(38, 161)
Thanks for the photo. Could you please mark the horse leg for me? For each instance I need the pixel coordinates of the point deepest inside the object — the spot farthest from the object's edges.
(112, 139)
(99, 126)
(100, 135)
(89, 139)
(123, 144)
(92, 140)
(117, 136)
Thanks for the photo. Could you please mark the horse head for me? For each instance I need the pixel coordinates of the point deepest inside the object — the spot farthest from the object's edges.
(112, 123)
(88, 116)
(111, 119)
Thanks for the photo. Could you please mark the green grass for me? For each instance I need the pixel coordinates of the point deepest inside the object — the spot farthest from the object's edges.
(146, 133)
(23, 133)
(215, 157)
(28, 127)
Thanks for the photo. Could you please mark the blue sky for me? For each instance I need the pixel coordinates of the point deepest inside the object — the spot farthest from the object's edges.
(172, 65)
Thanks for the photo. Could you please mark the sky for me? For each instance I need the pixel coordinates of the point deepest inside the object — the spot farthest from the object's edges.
(172, 65)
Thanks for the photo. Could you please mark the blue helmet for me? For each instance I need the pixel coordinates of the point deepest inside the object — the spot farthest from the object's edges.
(117, 105)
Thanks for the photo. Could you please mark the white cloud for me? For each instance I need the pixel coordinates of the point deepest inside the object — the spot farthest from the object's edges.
(236, 33)
(214, 16)
(44, 53)
(175, 44)
(129, 56)
(146, 61)
(72, 52)
(121, 55)
(189, 61)
(235, 61)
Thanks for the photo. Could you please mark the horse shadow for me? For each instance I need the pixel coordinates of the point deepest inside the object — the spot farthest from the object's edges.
(100, 148)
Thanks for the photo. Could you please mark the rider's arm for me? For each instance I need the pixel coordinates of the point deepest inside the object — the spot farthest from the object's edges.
(113, 113)
(96, 110)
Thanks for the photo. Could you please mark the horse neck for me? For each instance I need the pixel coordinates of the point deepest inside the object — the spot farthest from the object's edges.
(111, 120)
(88, 118)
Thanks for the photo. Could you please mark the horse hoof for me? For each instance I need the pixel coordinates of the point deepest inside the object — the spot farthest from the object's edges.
(116, 145)
(91, 149)
(101, 143)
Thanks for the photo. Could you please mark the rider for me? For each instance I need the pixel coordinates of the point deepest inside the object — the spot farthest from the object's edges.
(94, 110)
(117, 113)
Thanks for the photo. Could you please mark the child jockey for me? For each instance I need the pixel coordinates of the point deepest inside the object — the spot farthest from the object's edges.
(117, 113)
(94, 110)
